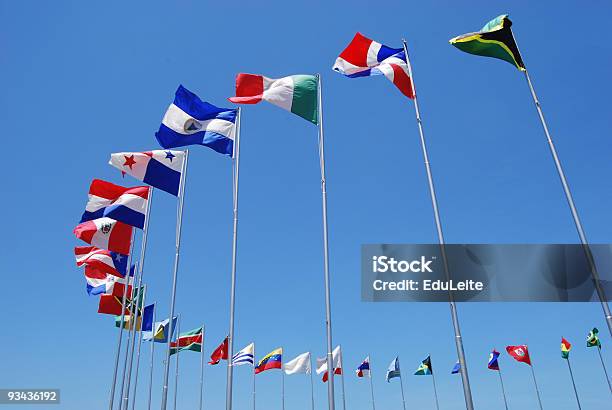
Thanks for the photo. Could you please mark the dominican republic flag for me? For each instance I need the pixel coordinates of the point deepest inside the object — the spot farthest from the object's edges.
(99, 283)
(493, 363)
(106, 233)
(161, 169)
(102, 260)
(127, 205)
(364, 57)
(190, 121)
(364, 368)
(520, 353)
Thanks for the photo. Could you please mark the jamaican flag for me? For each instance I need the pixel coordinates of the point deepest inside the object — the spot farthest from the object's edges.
(495, 40)
(593, 339)
(424, 368)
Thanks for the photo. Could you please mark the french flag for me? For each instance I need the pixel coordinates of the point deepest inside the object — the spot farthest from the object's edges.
(102, 260)
(364, 368)
(106, 233)
(364, 57)
(160, 168)
(127, 205)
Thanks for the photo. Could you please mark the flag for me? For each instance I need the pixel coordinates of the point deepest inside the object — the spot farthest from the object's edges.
(296, 93)
(99, 283)
(111, 305)
(191, 340)
(161, 331)
(133, 305)
(336, 361)
(520, 353)
(364, 368)
(161, 169)
(301, 364)
(364, 57)
(272, 360)
(394, 370)
(127, 322)
(456, 368)
(220, 353)
(106, 233)
(424, 368)
(127, 205)
(593, 339)
(245, 356)
(493, 363)
(495, 40)
(565, 348)
(102, 260)
(190, 120)
(147, 318)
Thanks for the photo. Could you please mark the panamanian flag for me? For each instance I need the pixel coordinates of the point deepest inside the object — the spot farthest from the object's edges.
(128, 205)
(189, 121)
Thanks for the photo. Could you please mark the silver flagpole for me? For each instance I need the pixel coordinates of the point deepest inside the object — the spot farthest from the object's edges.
(535, 383)
(603, 365)
(153, 329)
(573, 383)
(311, 382)
(282, 389)
(129, 341)
(401, 385)
(133, 325)
(371, 384)
(176, 371)
(137, 369)
(230, 339)
(501, 381)
(253, 377)
(467, 391)
(433, 379)
(123, 300)
(342, 376)
(179, 224)
(135, 340)
(202, 367)
(328, 323)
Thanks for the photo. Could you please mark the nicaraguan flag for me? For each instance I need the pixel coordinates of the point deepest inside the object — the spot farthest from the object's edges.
(128, 205)
(190, 121)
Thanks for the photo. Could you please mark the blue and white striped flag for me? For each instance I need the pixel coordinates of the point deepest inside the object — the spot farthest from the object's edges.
(245, 356)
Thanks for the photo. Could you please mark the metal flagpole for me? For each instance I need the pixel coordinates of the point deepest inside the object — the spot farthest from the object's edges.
(230, 339)
(603, 365)
(573, 383)
(467, 391)
(342, 376)
(137, 364)
(311, 382)
(253, 377)
(129, 341)
(138, 340)
(179, 224)
(402, 388)
(501, 381)
(328, 323)
(153, 329)
(433, 379)
(202, 367)
(535, 383)
(282, 389)
(371, 384)
(176, 371)
(133, 326)
(125, 289)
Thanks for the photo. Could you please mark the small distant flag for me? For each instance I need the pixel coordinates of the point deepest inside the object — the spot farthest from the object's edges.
(493, 363)
(127, 205)
(220, 353)
(593, 338)
(364, 368)
(147, 318)
(99, 283)
(160, 335)
(364, 57)
(191, 340)
(245, 356)
(456, 368)
(273, 360)
(106, 233)
(394, 370)
(101, 260)
(565, 348)
(160, 169)
(424, 368)
(336, 361)
(301, 364)
(189, 121)
(296, 93)
(520, 353)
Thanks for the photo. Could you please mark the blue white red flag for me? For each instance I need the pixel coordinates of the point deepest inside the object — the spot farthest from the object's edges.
(101, 259)
(364, 368)
(189, 121)
(128, 205)
(161, 169)
(364, 57)
(493, 363)
(245, 356)
(106, 233)
(100, 283)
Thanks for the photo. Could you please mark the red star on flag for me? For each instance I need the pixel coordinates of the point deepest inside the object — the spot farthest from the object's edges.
(129, 161)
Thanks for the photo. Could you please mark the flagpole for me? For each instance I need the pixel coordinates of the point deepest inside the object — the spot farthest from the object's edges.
(126, 284)
(176, 371)
(144, 297)
(467, 391)
(202, 367)
(433, 379)
(230, 339)
(282, 389)
(253, 376)
(573, 383)
(535, 383)
(179, 224)
(402, 389)
(328, 323)
(371, 383)
(129, 341)
(153, 330)
(343, 392)
(311, 382)
(501, 381)
(133, 326)
(603, 365)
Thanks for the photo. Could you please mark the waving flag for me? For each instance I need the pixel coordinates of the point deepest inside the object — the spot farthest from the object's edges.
(364, 368)
(189, 121)
(493, 363)
(147, 318)
(520, 353)
(102, 260)
(245, 356)
(191, 340)
(336, 361)
(99, 283)
(394, 370)
(424, 368)
(301, 364)
(127, 205)
(273, 360)
(106, 233)
(220, 353)
(364, 57)
(161, 331)
(160, 169)
(456, 368)
(593, 338)
(296, 93)
(565, 348)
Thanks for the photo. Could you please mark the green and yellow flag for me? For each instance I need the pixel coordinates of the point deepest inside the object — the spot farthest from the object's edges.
(565, 348)
(424, 368)
(495, 40)
(593, 339)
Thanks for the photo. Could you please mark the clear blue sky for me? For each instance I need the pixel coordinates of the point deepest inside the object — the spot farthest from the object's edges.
(80, 81)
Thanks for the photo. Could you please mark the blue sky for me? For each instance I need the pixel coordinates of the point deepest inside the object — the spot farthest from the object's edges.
(80, 81)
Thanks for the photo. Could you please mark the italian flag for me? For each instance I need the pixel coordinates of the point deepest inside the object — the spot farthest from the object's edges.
(191, 340)
(296, 93)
